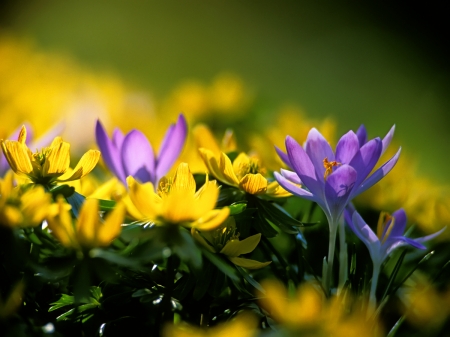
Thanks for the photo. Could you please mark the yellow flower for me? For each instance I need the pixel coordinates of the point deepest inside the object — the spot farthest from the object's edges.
(49, 165)
(225, 240)
(23, 208)
(309, 311)
(244, 173)
(177, 202)
(244, 325)
(12, 302)
(90, 231)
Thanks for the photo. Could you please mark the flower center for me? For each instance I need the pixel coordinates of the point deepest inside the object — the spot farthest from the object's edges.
(165, 185)
(329, 167)
(223, 235)
(252, 166)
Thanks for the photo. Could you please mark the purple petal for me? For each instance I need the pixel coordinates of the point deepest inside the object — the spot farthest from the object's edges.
(365, 234)
(295, 189)
(362, 135)
(366, 159)
(110, 153)
(431, 236)
(171, 147)
(304, 168)
(291, 176)
(138, 158)
(338, 188)
(284, 157)
(399, 241)
(318, 149)
(387, 139)
(378, 174)
(347, 147)
(117, 138)
(399, 224)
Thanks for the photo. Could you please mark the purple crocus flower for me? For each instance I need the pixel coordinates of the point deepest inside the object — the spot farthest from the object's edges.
(133, 155)
(332, 179)
(389, 236)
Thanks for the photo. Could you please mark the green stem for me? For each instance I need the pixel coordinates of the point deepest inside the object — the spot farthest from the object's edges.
(330, 259)
(343, 256)
(373, 286)
(167, 300)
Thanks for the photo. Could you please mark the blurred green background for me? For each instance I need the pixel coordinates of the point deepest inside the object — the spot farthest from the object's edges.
(370, 63)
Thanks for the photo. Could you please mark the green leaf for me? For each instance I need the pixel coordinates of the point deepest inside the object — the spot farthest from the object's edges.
(64, 190)
(113, 257)
(106, 205)
(223, 266)
(80, 309)
(238, 207)
(250, 279)
(186, 249)
(76, 200)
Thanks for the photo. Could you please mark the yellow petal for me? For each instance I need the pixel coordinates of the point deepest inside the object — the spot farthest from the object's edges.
(86, 164)
(236, 247)
(275, 190)
(247, 263)
(229, 141)
(183, 179)
(220, 167)
(18, 157)
(22, 139)
(204, 138)
(253, 183)
(35, 205)
(57, 160)
(199, 238)
(212, 219)
(61, 225)
(88, 223)
(205, 200)
(11, 216)
(110, 229)
(144, 198)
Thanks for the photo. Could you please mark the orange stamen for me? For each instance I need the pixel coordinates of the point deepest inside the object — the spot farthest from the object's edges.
(329, 167)
(383, 220)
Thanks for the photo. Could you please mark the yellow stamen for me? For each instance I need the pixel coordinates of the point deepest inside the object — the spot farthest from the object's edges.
(383, 221)
(329, 167)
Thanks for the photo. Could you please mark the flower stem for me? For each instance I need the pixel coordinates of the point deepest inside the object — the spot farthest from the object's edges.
(331, 248)
(373, 286)
(343, 256)
(167, 300)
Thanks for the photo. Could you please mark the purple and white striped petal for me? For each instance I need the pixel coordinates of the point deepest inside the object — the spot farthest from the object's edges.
(110, 153)
(138, 158)
(291, 176)
(295, 189)
(318, 149)
(338, 188)
(387, 139)
(365, 234)
(378, 174)
(304, 168)
(347, 147)
(171, 147)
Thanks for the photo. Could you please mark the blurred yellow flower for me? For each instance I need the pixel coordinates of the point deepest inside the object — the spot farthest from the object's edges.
(244, 325)
(48, 166)
(90, 230)
(23, 208)
(308, 311)
(290, 120)
(225, 240)
(426, 203)
(177, 202)
(12, 302)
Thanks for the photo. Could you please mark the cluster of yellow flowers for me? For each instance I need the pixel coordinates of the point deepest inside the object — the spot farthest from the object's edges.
(42, 88)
